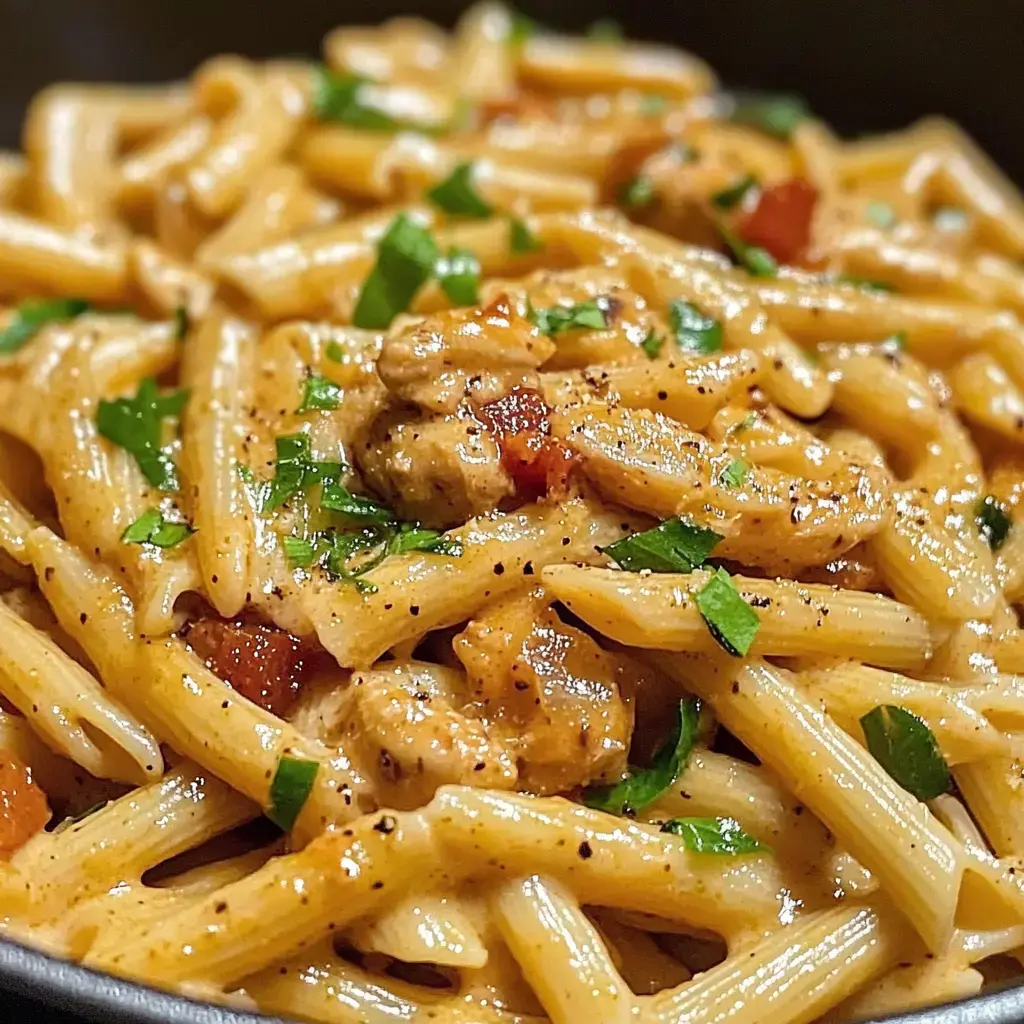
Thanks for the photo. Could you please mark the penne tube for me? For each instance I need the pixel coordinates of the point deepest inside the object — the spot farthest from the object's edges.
(795, 619)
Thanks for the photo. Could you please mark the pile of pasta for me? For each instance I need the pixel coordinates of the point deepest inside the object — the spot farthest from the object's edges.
(496, 528)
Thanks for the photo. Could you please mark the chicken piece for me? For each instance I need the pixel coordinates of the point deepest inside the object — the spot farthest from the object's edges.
(440, 361)
(440, 470)
(553, 690)
(406, 721)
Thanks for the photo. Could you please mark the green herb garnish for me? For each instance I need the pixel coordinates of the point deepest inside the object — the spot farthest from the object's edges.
(643, 786)
(334, 352)
(554, 320)
(757, 261)
(992, 522)
(152, 528)
(521, 239)
(522, 28)
(637, 193)
(713, 835)
(653, 105)
(458, 194)
(774, 114)
(339, 499)
(652, 344)
(29, 317)
(730, 620)
(676, 545)
(290, 788)
(734, 474)
(136, 425)
(731, 197)
(182, 323)
(906, 748)
(882, 215)
(867, 283)
(605, 30)
(459, 276)
(295, 470)
(299, 551)
(347, 99)
(694, 332)
(319, 393)
(406, 257)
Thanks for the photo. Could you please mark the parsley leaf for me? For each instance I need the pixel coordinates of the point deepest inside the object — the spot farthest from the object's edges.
(713, 835)
(459, 276)
(653, 105)
(734, 474)
(152, 528)
(758, 262)
(348, 99)
(182, 323)
(522, 29)
(676, 545)
(652, 344)
(521, 239)
(867, 283)
(588, 315)
(638, 192)
(334, 352)
(413, 537)
(731, 197)
(319, 393)
(290, 789)
(458, 194)
(694, 332)
(730, 620)
(299, 551)
(406, 256)
(136, 424)
(643, 786)
(339, 499)
(992, 522)
(882, 215)
(294, 471)
(906, 748)
(775, 114)
(29, 317)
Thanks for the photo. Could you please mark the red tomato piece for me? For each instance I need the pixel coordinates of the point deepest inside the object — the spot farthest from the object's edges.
(264, 664)
(23, 807)
(781, 220)
(536, 461)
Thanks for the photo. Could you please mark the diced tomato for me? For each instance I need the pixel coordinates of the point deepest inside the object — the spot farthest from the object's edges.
(781, 221)
(521, 423)
(264, 664)
(23, 807)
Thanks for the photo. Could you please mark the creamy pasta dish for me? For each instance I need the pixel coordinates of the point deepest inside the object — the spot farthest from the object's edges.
(495, 527)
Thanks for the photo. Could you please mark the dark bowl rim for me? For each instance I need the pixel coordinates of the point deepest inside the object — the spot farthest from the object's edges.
(71, 988)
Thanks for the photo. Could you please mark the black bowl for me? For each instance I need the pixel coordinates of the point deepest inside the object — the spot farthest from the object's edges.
(866, 66)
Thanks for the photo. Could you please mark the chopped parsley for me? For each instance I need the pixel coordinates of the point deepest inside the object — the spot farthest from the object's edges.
(30, 317)
(588, 315)
(776, 114)
(348, 99)
(152, 528)
(676, 545)
(713, 835)
(338, 498)
(642, 786)
(882, 215)
(413, 537)
(757, 261)
(334, 352)
(406, 257)
(734, 474)
(653, 105)
(652, 344)
(907, 749)
(522, 28)
(867, 283)
(458, 194)
(992, 522)
(730, 620)
(731, 197)
(136, 424)
(694, 332)
(459, 276)
(637, 193)
(295, 470)
(319, 393)
(521, 239)
(182, 323)
(299, 551)
(290, 789)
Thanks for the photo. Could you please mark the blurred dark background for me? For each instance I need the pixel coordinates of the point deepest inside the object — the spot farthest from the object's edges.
(868, 65)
